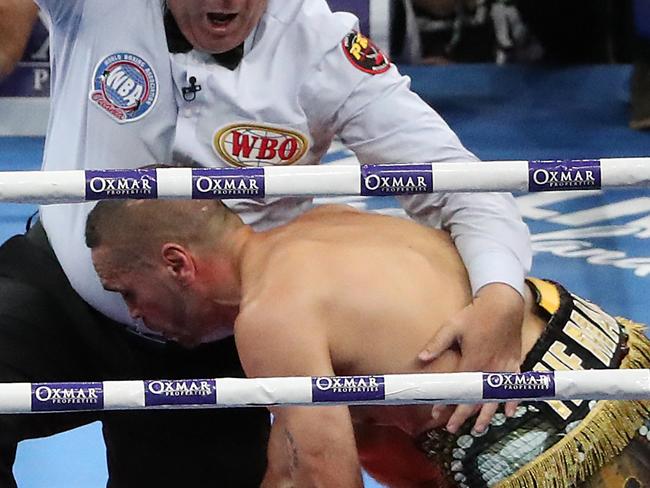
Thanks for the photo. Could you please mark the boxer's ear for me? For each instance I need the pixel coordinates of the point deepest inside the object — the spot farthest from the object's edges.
(178, 262)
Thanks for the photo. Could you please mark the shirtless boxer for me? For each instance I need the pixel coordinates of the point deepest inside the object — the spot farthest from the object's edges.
(332, 293)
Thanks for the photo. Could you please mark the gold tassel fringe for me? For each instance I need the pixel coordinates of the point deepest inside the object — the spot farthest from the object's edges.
(600, 437)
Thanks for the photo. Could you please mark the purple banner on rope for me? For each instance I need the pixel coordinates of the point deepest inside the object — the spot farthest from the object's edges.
(533, 384)
(395, 179)
(223, 183)
(561, 175)
(55, 397)
(121, 183)
(347, 388)
(180, 392)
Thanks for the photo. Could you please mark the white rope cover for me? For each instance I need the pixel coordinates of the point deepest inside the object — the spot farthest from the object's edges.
(624, 384)
(47, 187)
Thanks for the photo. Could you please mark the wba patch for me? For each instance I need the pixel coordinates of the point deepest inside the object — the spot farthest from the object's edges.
(364, 54)
(124, 86)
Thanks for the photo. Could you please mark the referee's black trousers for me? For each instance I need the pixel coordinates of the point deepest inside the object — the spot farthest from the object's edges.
(48, 333)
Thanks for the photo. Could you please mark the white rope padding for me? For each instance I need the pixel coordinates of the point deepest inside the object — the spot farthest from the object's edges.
(46, 187)
(397, 389)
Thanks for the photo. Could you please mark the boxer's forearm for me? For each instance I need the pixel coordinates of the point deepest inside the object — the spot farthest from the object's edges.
(278, 472)
(17, 19)
(321, 447)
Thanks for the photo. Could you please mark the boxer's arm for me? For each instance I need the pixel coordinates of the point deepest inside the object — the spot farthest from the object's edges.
(318, 441)
(278, 473)
(17, 19)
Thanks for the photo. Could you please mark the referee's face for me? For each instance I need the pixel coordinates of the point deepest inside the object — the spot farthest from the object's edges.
(216, 26)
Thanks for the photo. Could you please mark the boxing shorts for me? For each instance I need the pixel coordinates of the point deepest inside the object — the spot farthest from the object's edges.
(558, 444)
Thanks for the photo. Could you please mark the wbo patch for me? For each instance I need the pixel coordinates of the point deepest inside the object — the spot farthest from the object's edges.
(364, 54)
(124, 86)
(252, 145)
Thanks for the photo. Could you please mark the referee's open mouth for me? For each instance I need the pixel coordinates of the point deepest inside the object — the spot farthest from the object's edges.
(221, 19)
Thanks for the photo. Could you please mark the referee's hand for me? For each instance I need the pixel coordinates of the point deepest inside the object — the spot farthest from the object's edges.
(488, 333)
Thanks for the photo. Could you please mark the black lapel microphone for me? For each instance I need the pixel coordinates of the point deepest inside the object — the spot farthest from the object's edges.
(189, 92)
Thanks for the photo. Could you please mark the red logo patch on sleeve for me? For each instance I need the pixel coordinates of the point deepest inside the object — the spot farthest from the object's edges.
(364, 54)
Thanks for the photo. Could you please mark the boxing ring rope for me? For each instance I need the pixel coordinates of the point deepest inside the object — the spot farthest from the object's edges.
(74, 186)
(396, 389)
(330, 180)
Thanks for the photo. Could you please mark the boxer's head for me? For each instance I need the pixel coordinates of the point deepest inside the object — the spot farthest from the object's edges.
(172, 262)
(216, 26)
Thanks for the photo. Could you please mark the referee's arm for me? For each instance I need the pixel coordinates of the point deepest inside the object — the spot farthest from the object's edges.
(17, 19)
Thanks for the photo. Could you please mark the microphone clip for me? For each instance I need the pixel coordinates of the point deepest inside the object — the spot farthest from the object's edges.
(189, 92)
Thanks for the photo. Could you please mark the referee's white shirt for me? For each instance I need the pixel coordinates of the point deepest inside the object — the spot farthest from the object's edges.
(82, 135)
(294, 89)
